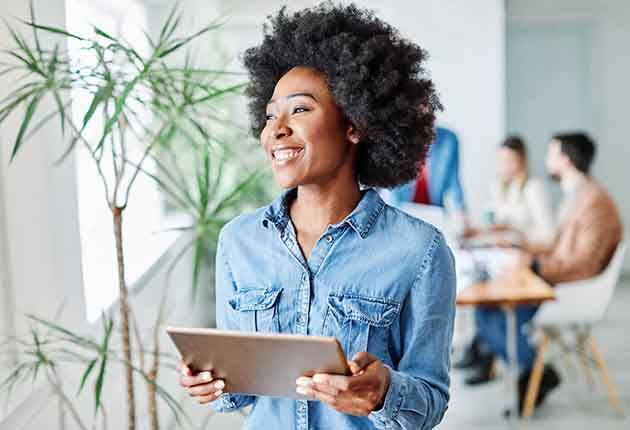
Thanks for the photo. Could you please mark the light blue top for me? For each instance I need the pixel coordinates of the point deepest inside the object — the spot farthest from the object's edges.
(443, 181)
(380, 281)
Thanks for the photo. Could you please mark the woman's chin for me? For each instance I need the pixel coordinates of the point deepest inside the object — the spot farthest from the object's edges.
(286, 181)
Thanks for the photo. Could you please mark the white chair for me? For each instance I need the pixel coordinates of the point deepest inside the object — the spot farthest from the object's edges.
(578, 306)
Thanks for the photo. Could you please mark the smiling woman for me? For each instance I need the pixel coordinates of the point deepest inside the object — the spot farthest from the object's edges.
(340, 103)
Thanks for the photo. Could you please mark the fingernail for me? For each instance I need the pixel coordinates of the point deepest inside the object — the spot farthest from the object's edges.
(303, 382)
(218, 393)
(301, 390)
(206, 376)
(219, 385)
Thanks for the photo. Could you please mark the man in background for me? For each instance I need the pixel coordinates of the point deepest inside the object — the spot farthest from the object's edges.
(589, 230)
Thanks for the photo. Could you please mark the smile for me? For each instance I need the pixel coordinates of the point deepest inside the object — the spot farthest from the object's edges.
(286, 155)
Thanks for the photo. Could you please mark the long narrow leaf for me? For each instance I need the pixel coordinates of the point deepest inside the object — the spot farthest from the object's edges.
(187, 40)
(102, 33)
(100, 96)
(219, 93)
(56, 327)
(167, 27)
(86, 373)
(28, 115)
(98, 386)
(61, 110)
(236, 191)
(118, 108)
(197, 266)
(38, 45)
(55, 30)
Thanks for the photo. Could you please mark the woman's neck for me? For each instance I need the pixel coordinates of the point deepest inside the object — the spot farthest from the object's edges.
(316, 206)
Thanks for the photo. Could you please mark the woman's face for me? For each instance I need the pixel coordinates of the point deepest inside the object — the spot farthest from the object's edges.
(306, 138)
(510, 164)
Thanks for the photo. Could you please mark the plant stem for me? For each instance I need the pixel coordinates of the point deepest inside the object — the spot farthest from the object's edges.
(124, 317)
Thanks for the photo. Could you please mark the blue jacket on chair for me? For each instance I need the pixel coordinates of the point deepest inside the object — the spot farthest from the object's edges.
(443, 163)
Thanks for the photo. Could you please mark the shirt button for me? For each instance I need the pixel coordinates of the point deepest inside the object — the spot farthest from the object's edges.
(302, 319)
(329, 239)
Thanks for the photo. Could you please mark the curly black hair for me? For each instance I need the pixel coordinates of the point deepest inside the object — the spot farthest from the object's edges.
(376, 78)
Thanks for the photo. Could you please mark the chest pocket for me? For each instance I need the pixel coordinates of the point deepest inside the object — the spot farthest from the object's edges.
(257, 309)
(360, 323)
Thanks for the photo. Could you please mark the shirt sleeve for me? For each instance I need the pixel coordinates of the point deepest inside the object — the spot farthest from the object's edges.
(418, 392)
(225, 288)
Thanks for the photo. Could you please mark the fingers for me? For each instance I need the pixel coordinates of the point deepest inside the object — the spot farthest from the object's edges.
(342, 402)
(339, 382)
(360, 361)
(207, 389)
(209, 398)
(304, 382)
(184, 369)
(200, 378)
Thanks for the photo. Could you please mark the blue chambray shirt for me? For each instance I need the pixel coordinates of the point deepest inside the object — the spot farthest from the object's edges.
(380, 281)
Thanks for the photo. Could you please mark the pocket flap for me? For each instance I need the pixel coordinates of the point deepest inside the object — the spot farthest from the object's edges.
(371, 310)
(255, 299)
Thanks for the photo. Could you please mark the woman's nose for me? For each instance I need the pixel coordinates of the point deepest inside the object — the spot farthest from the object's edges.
(281, 128)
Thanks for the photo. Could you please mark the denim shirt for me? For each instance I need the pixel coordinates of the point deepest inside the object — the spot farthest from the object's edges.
(380, 281)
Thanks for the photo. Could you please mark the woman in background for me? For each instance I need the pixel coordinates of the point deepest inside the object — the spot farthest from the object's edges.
(521, 203)
(523, 217)
(520, 208)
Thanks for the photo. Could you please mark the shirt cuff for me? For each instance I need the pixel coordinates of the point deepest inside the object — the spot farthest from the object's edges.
(225, 403)
(393, 401)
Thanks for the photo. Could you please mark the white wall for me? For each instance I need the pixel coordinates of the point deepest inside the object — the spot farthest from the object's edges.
(40, 249)
(465, 41)
(609, 28)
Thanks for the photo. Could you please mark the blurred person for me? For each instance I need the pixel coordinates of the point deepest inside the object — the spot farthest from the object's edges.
(522, 209)
(589, 230)
(520, 204)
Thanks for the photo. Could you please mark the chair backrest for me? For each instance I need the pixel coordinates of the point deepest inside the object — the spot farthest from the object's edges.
(583, 301)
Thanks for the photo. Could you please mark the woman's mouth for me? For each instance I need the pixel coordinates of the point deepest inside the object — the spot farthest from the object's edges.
(286, 155)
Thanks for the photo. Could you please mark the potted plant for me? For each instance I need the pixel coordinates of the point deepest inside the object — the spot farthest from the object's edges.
(120, 81)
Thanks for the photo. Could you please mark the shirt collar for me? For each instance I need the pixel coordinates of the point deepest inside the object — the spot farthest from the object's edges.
(360, 219)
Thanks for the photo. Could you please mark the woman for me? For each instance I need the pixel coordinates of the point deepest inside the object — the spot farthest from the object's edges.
(519, 211)
(521, 202)
(340, 104)
(523, 217)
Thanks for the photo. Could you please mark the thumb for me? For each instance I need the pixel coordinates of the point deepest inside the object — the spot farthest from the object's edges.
(360, 361)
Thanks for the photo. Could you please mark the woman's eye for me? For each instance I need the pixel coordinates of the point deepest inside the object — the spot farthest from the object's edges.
(300, 109)
(268, 116)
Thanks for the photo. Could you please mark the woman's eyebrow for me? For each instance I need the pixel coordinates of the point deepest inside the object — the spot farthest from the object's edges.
(290, 96)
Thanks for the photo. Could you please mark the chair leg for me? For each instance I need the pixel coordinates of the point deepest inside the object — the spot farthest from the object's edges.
(533, 384)
(599, 361)
(584, 360)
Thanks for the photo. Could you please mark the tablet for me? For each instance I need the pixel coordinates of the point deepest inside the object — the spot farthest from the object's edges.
(265, 364)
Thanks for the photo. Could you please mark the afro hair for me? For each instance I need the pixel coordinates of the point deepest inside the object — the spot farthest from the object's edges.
(375, 76)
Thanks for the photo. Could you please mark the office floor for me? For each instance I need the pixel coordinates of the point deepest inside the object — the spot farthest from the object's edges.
(574, 405)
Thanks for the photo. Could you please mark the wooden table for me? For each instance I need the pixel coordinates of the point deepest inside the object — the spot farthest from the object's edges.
(521, 287)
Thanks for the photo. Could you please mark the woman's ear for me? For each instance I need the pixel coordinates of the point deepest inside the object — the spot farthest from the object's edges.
(352, 134)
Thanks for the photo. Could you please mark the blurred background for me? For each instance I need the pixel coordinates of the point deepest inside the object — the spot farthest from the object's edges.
(530, 68)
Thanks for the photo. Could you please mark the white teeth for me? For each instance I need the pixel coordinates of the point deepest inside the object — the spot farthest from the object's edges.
(286, 154)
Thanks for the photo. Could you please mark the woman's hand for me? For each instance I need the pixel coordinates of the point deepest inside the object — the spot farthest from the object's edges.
(201, 386)
(359, 394)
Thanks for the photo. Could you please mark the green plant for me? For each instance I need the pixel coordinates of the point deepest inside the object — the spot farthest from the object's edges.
(123, 84)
